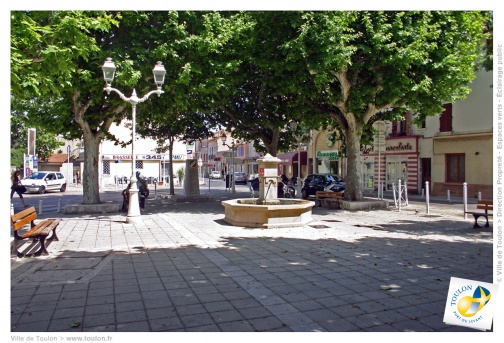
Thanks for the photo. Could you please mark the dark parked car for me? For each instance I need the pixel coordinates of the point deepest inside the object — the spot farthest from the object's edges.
(317, 182)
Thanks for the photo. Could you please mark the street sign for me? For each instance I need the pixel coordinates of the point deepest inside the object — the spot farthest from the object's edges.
(210, 165)
(189, 152)
(193, 163)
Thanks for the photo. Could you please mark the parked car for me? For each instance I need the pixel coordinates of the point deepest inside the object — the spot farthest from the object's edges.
(318, 182)
(215, 175)
(240, 177)
(42, 181)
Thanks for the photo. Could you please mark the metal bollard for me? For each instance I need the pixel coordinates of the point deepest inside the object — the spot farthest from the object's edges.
(40, 207)
(479, 195)
(427, 196)
(423, 193)
(448, 195)
(400, 195)
(464, 192)
(59, 205)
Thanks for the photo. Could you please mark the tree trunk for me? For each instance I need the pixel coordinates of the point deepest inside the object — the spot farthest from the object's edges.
(353, 190)
(272, 145)
(91, 172)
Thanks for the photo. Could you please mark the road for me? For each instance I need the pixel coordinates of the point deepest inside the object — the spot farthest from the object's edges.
(54, 200)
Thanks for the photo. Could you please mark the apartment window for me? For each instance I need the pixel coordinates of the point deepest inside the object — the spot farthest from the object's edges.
(139, 164)
(240, 151)
(445, 120)
(455, 167)
(106, 167)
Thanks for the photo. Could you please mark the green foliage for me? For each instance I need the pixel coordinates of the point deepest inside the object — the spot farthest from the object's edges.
(46, 142)
(181, 174)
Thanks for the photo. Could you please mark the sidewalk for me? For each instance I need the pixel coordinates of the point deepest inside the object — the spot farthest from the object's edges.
(185, 269)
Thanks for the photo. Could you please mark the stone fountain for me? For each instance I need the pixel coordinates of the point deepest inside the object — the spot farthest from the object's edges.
(268, 211)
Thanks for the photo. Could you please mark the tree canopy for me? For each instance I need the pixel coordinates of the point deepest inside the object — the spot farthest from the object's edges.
(373, 65)
(253, 71)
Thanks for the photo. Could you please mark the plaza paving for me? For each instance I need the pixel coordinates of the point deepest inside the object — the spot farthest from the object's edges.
(185, 269)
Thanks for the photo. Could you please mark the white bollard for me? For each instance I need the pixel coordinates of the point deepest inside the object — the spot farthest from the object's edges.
(40, 207)
(399, 192)
(464, 192)
(479, 195)
(12, 209)
(427, 196)
(423, 193)
(448, 195)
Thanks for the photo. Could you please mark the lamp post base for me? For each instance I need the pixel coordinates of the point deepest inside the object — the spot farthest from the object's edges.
(133, 205)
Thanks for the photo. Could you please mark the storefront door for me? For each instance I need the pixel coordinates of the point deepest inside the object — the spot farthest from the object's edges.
(396, 170)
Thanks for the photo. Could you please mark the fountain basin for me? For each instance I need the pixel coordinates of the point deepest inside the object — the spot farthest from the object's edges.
(281, 213)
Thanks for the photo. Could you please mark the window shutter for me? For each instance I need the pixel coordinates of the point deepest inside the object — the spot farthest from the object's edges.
(445, 120)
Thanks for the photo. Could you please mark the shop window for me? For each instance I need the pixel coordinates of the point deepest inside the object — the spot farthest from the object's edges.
(455, 167)
(445, 120)
(139, 164)
(106, 167)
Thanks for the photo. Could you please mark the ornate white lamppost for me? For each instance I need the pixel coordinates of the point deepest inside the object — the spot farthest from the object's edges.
(234, 144)
(299, 137)
(159, 75)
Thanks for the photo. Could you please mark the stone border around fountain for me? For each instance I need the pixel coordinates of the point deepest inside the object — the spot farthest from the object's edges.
(247, 213)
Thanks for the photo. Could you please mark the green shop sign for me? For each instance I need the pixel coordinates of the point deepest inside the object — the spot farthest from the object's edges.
(332, 155)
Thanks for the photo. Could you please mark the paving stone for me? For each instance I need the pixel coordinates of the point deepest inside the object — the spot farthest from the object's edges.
(199, 319)
(187, 265)
(166, 324)
(266, 323)
(226, 316)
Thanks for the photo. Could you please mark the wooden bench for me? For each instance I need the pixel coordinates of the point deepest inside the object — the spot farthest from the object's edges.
(328, 197)
(482, 205)
(37, 232)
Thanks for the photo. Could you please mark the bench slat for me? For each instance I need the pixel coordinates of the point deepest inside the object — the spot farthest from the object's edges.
(22, 222)
(42, 229)
(23, 213)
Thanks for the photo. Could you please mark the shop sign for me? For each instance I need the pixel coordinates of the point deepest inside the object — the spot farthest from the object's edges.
(144, 157)
(400, 147)
(332, 155)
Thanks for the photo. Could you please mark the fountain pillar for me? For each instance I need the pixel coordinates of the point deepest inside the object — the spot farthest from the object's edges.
(268, 211)
(268, 180)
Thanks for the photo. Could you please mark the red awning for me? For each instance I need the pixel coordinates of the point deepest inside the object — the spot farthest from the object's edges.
(290, 158)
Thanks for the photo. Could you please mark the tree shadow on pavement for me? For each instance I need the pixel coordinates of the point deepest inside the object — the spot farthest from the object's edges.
(371, 283)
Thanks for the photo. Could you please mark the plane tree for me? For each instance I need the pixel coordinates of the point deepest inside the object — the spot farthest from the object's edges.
(250, 88)
(56, 59)
(368, 66)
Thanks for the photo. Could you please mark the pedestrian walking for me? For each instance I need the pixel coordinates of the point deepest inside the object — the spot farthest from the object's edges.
(17, 187)
(77, 177)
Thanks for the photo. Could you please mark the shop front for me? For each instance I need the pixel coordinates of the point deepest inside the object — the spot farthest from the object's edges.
(289, 163)
(327, 161)
(116, 168)
(399, 161)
